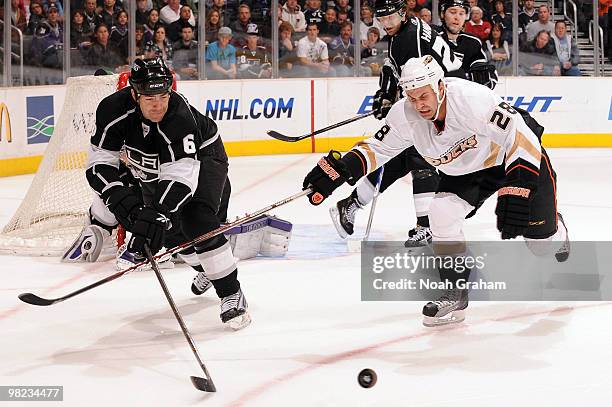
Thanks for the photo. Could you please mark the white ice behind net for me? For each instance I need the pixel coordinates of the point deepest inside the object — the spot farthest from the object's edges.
(54, 210)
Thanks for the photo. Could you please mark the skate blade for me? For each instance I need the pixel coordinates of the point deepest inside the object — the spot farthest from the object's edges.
(239, 322)
(453, 317)
(335, 216)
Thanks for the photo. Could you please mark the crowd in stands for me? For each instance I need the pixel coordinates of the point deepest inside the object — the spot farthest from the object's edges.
(315, 36)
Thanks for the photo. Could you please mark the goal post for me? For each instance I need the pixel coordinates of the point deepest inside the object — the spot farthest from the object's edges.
(55, 207)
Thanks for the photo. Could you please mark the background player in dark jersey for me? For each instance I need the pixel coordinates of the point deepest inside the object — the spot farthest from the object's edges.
(178, 159)
(409, 37)
(467, 47)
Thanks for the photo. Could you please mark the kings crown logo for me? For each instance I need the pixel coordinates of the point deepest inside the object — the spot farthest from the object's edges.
(40, 119)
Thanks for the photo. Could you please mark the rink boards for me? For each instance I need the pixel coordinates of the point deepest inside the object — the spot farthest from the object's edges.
(576, 112)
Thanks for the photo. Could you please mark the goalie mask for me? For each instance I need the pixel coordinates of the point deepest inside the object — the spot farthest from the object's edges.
(150, 76)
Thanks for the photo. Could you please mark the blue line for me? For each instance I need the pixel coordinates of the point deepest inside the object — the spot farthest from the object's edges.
(610, 113)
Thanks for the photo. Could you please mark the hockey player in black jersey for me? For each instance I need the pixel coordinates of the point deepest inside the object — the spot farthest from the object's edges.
(178, 159)
(409, 37)
(468, 48)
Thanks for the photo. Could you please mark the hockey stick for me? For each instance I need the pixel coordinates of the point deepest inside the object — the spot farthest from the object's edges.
(381, 171)
(200, 383)
(36, 300)
(282, 137)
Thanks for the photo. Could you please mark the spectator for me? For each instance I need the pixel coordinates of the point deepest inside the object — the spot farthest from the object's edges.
(119, 34)
(312, 54)
(425, 15)
(543, 23)
(527, 15)
(142, 11)
(240, 26)
(604, 13)
(313, 12)
(36, 17)
(567, 50)
(503, 18)
(367, 21)
(477, 26)
(48, 39)
(498, 51)
(18, 15)
(373, 53)
(91, 14)
(412, 9)
(344, 6)
(109, 12)
(172, 12)
(52, 3)
(159, 46)
(292, 13)
(139, 32)
(80, 33)
(342, 51)
(185, 60)
(253, 60)
(294, 16)
(212, 25)
(540, 57)
(186, 16)
(101, 54)
(221, 56)
(329, 27)
(219, 6)
(152, 22)
(286, 49)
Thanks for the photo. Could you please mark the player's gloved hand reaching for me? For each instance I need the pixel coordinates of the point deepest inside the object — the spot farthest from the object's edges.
(381, 104)
(328, 175)
(149, 228)
(513, 211)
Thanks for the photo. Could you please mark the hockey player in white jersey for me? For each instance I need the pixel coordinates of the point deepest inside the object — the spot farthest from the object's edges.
(480, 145)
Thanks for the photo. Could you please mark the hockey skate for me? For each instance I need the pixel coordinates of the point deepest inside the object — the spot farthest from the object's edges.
(448, 309)
(88, 245)
(343, 214)
(418, 237)
(564, 252)
(234, 311)
(200, 284)
(126, 259)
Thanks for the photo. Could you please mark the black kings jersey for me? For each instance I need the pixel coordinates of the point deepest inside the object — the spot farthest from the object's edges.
(466, 47)
(162, 156)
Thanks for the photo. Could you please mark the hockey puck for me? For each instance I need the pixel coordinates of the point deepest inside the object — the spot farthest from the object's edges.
(367, 378)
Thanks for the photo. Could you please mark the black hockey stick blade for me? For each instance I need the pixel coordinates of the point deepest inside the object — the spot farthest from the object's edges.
(35, 299)
(202, 384)
(282, 137)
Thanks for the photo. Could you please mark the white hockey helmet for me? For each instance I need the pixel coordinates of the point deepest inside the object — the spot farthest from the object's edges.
(423, 71)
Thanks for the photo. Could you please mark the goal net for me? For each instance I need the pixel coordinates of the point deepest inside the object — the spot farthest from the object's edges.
(55, 207)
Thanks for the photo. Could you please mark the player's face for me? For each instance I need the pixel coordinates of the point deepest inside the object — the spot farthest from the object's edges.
(454, 17)
(424, 101)
(154, 107)
(391, 23)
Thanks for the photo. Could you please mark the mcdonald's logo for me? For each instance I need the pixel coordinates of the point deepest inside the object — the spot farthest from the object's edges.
(5, 118)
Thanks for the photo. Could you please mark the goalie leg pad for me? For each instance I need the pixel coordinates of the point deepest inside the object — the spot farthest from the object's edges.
(277, 236)
(88, 245)
(265, 235)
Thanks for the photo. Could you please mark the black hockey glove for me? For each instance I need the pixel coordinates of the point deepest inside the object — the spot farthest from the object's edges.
(483, 73)
(382, 103)
(124, 204)
(150, 228)
(328, 175)
(514, 200)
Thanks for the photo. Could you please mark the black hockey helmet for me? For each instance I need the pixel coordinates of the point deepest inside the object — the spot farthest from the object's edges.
(388, 7)
(446, 4)
(150, 76)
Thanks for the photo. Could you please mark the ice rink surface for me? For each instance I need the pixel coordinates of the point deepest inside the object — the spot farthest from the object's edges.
(119, 344)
